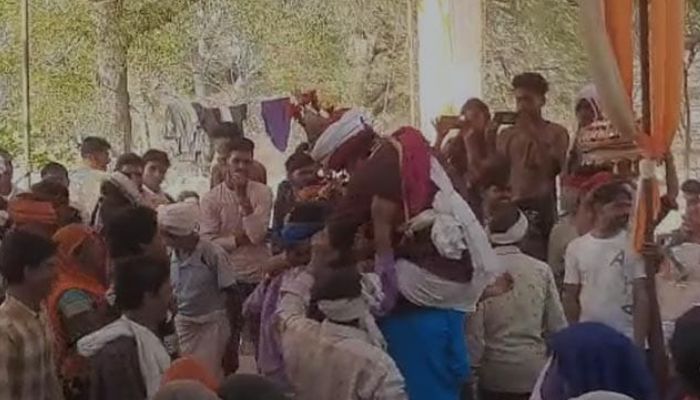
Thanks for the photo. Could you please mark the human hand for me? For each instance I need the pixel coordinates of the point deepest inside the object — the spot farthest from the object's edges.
(502, 285)
(239, 182)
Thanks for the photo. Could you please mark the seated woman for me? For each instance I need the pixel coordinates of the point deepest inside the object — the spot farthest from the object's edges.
(76, 305)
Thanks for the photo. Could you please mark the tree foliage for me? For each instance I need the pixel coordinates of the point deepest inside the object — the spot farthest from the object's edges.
(352, 51)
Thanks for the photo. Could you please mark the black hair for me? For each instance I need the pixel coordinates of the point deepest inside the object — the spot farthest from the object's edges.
(303, 147)
(298, 160)
(338, 280)
(607, 193)
(685, 348)
(227, 130)
(128, 159)
(50, 190)
(476, 104)
(250, 387)
(53, 168)
(129, 230)
(311, 212)
(21, 249)
(691, 186)
(136, 276)
(531, 81)
(92, 145)
(503, 218)
(242, 144)
(496, 173)
(157, 156)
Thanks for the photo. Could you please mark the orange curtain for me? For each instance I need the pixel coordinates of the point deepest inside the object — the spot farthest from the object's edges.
(666, 48)
(619, 23)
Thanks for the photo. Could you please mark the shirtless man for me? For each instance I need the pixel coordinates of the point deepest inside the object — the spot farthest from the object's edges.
(536, 149)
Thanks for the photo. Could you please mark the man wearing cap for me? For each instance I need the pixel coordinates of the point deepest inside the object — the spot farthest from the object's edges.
(208, 301)
(507, 333)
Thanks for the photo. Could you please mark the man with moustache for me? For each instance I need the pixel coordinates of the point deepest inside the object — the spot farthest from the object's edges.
(604, 279)
(236, 215)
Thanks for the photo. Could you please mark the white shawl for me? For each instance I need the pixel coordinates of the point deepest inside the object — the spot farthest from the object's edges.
(153, 358)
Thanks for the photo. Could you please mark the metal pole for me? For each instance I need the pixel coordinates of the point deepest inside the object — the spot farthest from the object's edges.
(26, 111)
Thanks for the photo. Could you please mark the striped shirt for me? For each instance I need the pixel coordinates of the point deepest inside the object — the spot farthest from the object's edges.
(223, 220)
(27, 368)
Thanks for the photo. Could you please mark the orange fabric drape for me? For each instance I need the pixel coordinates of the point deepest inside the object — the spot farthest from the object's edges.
(666, 48)
(619, 23)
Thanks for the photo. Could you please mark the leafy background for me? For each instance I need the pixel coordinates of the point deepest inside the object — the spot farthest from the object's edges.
(352, 51)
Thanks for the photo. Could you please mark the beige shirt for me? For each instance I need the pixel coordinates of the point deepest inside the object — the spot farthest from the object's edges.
(222, 220)
(507, 333)
(331, 361)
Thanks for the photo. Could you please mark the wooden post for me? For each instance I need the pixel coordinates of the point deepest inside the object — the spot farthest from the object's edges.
(26, 112)
(655, 334)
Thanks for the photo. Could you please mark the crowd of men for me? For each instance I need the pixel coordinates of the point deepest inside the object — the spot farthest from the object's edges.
(385, 268)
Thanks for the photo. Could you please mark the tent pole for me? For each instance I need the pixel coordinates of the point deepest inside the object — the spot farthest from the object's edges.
(659, 361)
(26, 116)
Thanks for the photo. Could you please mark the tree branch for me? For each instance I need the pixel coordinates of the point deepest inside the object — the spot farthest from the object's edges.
(152, 16)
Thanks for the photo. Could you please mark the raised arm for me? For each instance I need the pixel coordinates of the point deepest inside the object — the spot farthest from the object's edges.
(383, 216)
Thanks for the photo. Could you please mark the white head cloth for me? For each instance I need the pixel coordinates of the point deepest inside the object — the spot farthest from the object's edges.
(514, 234)
(603, 395)
(179, 219)
(153, 358)
(589, 93)
(339, 132)
(358, 309)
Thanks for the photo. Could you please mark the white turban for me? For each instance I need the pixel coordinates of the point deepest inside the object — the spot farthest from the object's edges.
(514, 234)
(339, 132)
(589, 93)
(179, 219)
(358, 308)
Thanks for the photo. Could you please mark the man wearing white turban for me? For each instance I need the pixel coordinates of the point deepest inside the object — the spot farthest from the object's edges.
(506, 335)
(203, 279)
(347, 140)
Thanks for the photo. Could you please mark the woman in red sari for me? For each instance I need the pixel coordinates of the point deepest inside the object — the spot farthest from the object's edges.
(76, 304)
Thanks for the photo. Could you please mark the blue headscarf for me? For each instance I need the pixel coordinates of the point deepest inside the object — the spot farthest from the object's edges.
(296, 232)
(590, 356)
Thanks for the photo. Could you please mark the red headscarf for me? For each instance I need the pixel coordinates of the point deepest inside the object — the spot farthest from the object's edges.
(70, 276)
(414, 153)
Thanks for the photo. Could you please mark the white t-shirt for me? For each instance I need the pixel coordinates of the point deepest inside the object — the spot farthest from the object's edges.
(606, 270)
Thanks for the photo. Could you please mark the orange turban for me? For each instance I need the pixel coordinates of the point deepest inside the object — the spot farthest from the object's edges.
(26, 210)
(187, 368)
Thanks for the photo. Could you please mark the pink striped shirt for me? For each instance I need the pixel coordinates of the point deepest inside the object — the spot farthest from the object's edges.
(223, 220)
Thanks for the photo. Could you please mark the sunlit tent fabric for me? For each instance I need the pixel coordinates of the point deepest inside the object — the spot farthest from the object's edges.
(604, 25)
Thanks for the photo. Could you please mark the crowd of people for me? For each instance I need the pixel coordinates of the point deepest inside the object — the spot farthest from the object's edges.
(492, 264)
